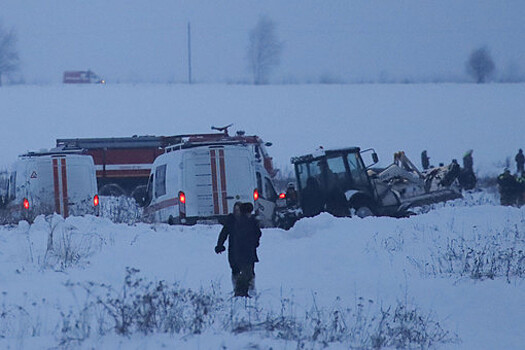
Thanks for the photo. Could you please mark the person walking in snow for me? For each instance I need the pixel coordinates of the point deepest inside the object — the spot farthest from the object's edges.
(468, 179)
(468, 161)
(508, 188)
(425, 160)
(521, 190)
(520, 162)
(451, 174)
(243, 234)
(291, 195)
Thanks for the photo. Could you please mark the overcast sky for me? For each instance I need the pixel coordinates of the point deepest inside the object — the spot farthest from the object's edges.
(145, 40)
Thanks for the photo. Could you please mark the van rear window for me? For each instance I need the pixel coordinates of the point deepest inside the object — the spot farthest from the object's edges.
(160, 180)
(12, 186)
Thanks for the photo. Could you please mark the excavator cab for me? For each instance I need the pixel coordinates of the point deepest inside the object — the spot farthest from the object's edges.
(326, 178)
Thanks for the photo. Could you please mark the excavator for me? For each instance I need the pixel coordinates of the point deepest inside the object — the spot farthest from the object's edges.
(339, 182)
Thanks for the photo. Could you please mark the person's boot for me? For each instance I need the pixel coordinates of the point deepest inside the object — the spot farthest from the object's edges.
(235, 283)
(251, 287)
(241, 288)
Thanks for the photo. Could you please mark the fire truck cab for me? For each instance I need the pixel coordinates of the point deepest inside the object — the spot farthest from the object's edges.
(200, 180)
(49, 182)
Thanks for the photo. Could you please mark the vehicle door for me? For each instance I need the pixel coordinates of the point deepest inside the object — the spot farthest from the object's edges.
(265, 203)
(234, 178)
(358, 173)
(160, 192)
(81, 187)
(59, 185)
(268, 201)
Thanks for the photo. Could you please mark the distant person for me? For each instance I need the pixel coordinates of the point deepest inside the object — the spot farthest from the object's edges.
(468, 161)
(243, 234)
(227, 232)
(291, 195)
(425, 160)
(508, 188)
(521, 190)
(452, 174)
(467, 179)
(520, 162)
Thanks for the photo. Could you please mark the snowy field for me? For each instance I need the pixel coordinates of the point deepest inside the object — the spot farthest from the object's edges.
(452, 278)
(445, 119)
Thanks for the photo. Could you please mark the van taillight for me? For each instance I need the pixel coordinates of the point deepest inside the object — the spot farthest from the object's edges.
(255, 194)
(282, 195)
(95, 200)
(26, 204)
(182, 205)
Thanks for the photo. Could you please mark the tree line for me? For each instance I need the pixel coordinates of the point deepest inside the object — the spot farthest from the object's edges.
(263, 54)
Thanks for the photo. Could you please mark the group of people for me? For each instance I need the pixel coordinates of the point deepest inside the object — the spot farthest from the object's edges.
(466, 176)
(242, 231)
(512, 186)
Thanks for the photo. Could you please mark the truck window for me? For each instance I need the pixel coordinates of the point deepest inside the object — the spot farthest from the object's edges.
(269, 192)
(149, 191)
(307, 170)
(12, 186)
(302, 174)
(357, 169)
(160, 181)
(4, 188)
(336, 172)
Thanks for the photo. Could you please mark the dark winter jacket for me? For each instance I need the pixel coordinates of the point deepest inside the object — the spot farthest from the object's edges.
(243, 234)
(468, 162)
(508, 184)
(451, 174)
(425, 160)
(467, 179)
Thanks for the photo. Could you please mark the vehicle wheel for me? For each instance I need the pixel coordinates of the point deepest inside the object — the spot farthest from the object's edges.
(112, 190)
(285, 224)
(364, 211)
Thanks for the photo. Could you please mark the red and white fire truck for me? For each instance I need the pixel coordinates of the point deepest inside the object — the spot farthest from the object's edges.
(82, 77)
(123, 164)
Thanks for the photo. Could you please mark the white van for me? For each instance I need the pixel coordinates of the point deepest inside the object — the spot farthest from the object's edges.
(49, 182)
(200, 182)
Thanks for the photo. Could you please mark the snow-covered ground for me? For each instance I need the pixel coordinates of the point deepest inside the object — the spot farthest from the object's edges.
(445, 119)
(455, 274)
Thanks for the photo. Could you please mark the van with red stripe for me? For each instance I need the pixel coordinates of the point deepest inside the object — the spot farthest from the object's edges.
(200, 181)
(50, 182)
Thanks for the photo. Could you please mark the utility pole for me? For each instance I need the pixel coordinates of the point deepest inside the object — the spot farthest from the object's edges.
(189, 53)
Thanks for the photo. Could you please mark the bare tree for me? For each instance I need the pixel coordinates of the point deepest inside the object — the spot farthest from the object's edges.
(264, 50)
(480, 65)
(9, 60)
